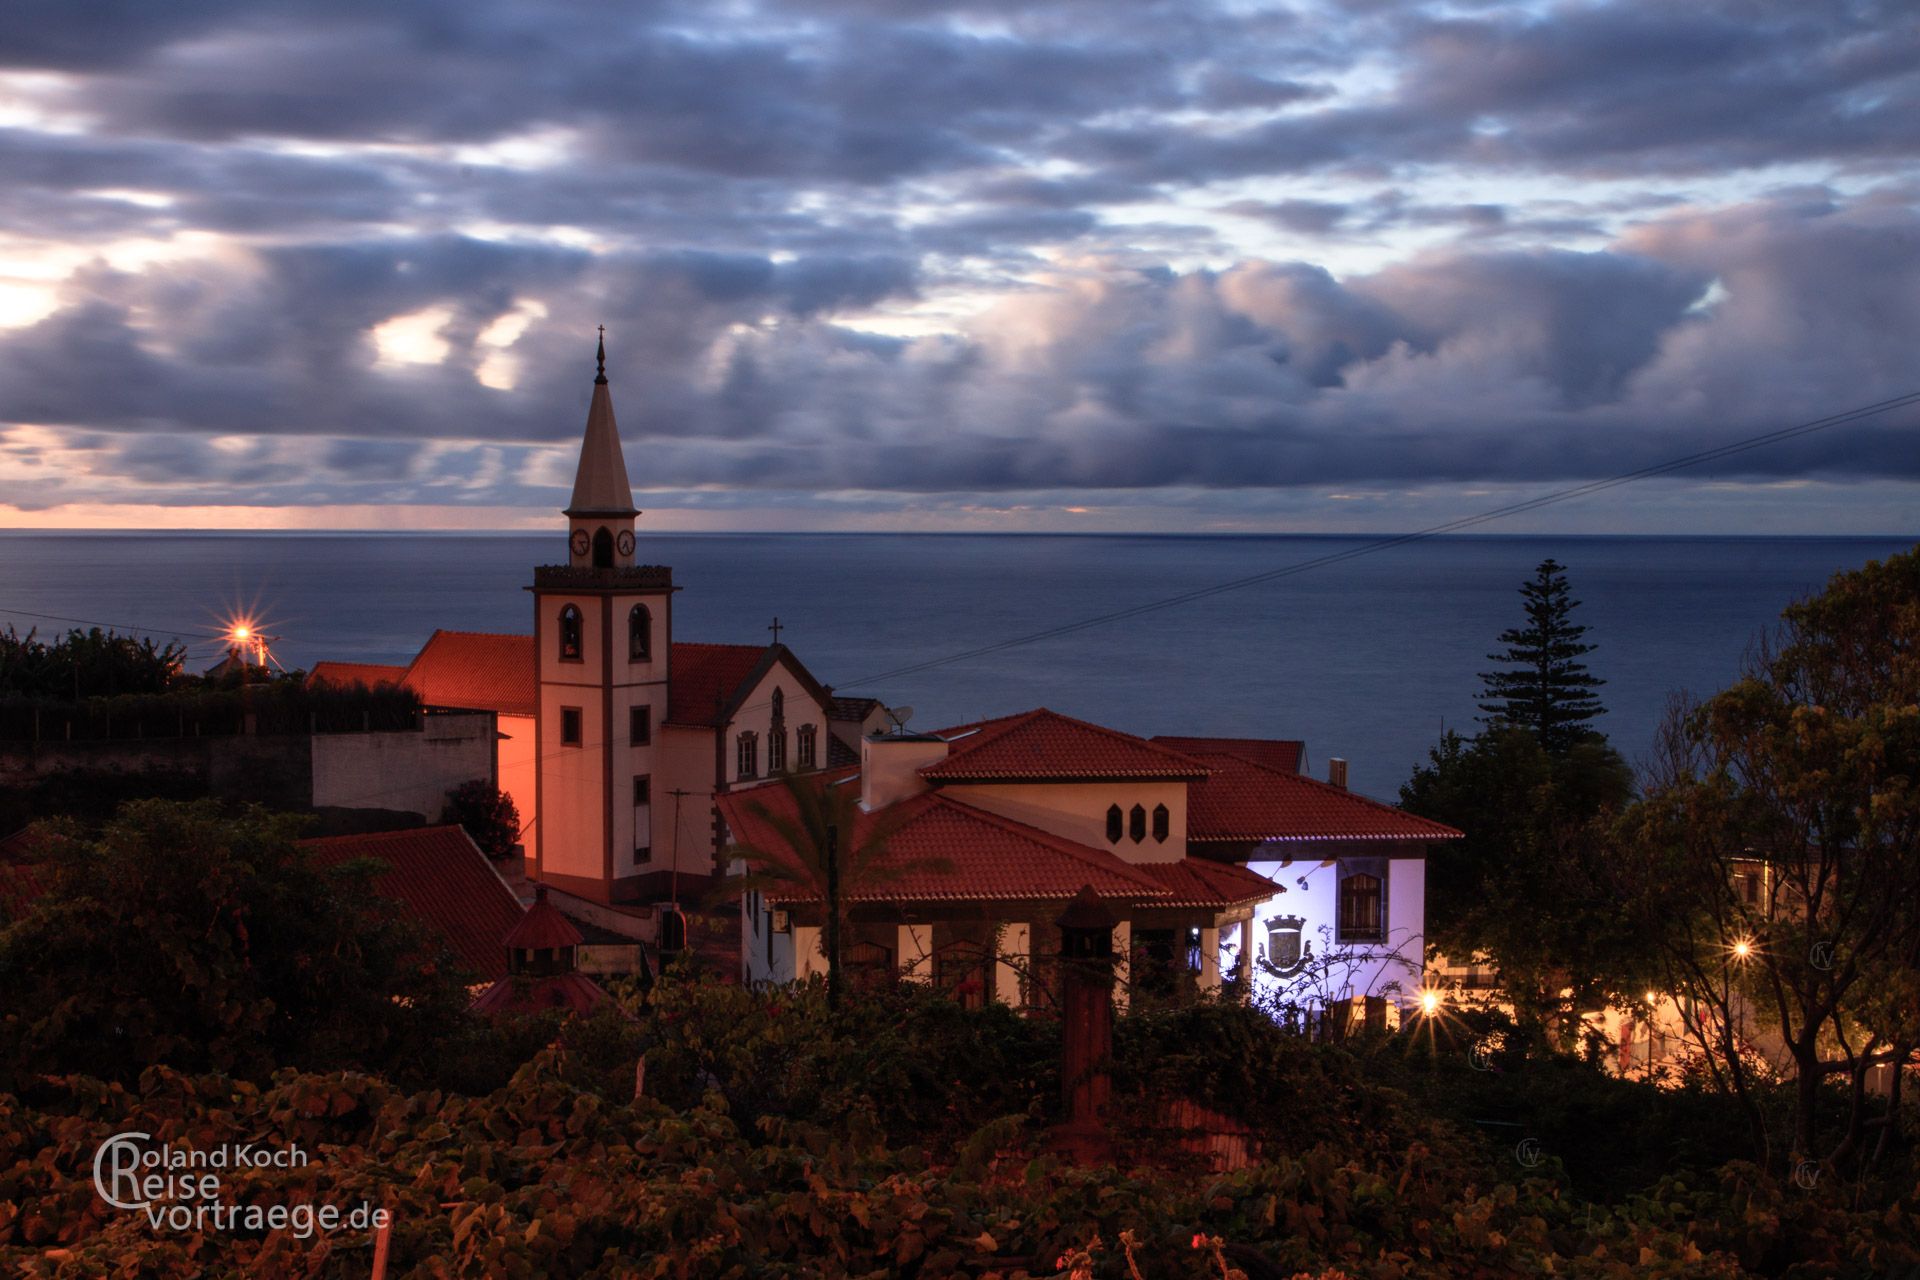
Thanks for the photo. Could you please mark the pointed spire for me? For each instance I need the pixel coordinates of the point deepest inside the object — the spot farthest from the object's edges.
(600, 486)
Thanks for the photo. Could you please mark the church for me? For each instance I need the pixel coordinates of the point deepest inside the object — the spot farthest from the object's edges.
(643, 766)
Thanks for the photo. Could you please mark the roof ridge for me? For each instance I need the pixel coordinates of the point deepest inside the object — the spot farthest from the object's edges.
(394, 831)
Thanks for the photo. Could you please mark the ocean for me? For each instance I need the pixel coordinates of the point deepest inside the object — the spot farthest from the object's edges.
(1367, 659)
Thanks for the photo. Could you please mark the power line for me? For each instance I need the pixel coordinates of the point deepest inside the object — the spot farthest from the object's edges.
(131, 628)
(1381, 544)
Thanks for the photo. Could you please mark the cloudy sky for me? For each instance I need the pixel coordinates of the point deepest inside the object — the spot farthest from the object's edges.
(1004, 264)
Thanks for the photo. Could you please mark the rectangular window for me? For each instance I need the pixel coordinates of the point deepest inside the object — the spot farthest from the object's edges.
(804, 746)
(569, 726)
(777, 751)
(640, 725)
(642, 819)
(1360, 909)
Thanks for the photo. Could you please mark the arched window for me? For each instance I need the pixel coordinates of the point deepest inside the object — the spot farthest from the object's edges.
(640, 634)
(570, 633)
(746, 755)
(1162, 823)
(805, 746)
(1137, 823)
(779, 704)
(603, 549)
(1116, 823)
(1360, 909)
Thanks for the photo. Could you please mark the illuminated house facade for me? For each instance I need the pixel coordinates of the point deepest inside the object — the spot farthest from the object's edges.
(1222, 863)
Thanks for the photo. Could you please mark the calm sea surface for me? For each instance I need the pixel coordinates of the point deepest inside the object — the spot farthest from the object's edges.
(1365, 659)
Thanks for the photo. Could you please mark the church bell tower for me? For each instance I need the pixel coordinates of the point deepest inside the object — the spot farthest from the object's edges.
(602, 630)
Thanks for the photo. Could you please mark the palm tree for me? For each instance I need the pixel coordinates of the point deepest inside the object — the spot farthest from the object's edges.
(822, 847)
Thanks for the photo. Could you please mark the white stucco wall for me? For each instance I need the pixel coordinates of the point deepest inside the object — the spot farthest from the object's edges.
(1338, 970)
(755, 715)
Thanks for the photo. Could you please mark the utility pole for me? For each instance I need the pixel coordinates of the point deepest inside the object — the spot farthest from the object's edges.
(673, 855)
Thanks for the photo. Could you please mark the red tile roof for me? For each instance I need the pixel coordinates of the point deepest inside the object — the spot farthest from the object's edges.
(1198, 882)
(1283, 754)
(475, 670)
(542, 927)
(987, 857)
(444, 879)
(707, 678)
(1240, 802)
(574, 992)
(371, 674)
(1044, 745)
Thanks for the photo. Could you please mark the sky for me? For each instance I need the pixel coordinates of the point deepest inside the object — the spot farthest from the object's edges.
(1320, 265)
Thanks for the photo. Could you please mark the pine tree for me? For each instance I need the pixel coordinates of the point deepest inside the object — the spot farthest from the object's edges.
(1548, 691)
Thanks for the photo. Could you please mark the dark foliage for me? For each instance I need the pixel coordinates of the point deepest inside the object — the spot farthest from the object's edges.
(86, 664)
(1547, 689)
(489, 815)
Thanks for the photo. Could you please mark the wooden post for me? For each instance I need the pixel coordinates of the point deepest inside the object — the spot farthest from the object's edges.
(1086, 1028)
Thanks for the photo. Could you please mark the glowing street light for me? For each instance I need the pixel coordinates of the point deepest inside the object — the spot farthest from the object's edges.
(1429, 1003)
(1742, 948)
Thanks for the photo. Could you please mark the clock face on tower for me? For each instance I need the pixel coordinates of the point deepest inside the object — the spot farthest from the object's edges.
(581, 542)
(625, 542)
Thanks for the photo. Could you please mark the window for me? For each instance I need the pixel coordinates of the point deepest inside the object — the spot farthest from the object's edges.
(642, 819)
(746, 755)
(1361, 917)
(803, 746)
(1116, 823)
(1137, 824)
(1162, 823)
(640, 634)
(777, 751)
(779, 704)
(569, 726)
(570, 634)
(640, 725)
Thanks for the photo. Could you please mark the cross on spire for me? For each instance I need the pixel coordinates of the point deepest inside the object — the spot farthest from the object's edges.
(775, 628)
(600, 356)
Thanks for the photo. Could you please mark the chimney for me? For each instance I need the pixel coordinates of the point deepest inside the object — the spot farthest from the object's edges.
(1337, 772)
(890, 765)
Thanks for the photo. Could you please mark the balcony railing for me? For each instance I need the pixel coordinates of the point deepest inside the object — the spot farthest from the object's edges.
(617, 577)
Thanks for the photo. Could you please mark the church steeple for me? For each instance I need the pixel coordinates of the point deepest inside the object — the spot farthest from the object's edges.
(600, 486)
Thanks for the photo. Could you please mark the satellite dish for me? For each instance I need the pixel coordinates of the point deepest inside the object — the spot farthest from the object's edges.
(899, 716)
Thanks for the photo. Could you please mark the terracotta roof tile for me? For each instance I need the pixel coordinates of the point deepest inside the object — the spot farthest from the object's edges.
(1271, 753)
(345, 674)
(987, 857)
(707, 677)
(1197, 882)
(1044, 745)
(476, 670)
(439, 874)
(574, 992)
(1240, 801)
(542, 927)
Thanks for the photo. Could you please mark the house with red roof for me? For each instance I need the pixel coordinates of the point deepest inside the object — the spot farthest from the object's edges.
(1221, 861)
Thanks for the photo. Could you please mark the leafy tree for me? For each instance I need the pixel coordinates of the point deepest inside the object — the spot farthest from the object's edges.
(202, 939)
(1548, 691)
(1775, 865)
(1524, 887)
(86, 664)
(488, 814)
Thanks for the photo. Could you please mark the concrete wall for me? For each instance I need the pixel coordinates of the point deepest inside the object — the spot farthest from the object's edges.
(516, 755)
(273, 769)
(410, 772)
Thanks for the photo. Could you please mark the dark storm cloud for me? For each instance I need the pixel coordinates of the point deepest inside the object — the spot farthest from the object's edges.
(731, 192)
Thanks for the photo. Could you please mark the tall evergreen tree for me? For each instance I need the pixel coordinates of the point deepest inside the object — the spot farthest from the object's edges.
(1548, 690)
